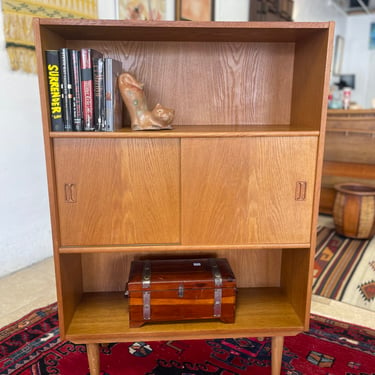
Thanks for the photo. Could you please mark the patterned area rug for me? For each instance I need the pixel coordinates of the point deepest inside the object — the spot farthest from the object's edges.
(31, 346)
(344, 269)
(18, 15)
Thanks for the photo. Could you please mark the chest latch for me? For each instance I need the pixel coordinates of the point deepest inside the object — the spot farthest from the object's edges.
(146, 283)
(218, 291)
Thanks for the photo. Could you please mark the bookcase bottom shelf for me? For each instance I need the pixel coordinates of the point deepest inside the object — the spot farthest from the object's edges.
(103, 317)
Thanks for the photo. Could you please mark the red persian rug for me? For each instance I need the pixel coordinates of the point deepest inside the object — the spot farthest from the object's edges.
(31, 346)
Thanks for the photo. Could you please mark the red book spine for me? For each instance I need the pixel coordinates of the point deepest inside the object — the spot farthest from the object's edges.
(87, 87)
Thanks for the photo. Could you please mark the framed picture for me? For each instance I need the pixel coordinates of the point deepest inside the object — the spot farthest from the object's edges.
(195, 10)
(372, 36)
(141, 9)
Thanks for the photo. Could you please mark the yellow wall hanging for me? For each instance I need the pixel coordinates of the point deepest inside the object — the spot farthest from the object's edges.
(18, 31)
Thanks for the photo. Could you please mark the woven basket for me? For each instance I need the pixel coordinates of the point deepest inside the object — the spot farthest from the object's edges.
(354, 210)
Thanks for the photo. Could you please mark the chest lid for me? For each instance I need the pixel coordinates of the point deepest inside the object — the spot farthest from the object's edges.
(173, 273)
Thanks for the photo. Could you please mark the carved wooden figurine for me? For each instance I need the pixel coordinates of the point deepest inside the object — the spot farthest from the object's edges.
(141, 117)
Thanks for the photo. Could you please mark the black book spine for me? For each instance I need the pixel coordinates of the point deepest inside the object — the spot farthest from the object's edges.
(54, 88)
(75, 71)
(66, 88)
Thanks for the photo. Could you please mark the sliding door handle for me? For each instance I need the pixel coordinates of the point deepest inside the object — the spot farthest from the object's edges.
(300, 194)
(70, 191)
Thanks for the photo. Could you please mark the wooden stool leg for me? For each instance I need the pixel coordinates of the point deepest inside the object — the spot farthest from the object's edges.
(93, 358)
(277, 354)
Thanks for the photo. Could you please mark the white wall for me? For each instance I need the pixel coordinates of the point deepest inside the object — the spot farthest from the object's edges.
(320, 10)
(359, 59)
(107, 9)
(226, 11)
(24, 217)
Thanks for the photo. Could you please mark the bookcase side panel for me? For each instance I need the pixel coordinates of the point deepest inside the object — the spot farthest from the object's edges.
(69, 288)
(295, 275)
(311, 80)
(45, 39)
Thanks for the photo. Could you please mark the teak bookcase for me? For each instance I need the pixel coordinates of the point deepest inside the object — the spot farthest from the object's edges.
(238, 177)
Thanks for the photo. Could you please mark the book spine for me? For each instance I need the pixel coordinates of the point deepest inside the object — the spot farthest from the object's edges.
(99, 103)
(54, 89)
(118, 104)
(66, 89)
(88, 57)
(108, 95)
(113, 110)
(75, 69)
(87, 89)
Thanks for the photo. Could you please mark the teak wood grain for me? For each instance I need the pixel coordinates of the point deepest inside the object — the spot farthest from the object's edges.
(239, 177)
(103, 317)
(125, 191)
(109, 272)
(243, 81)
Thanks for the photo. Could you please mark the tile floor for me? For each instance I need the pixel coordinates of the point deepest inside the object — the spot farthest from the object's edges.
(34, 287)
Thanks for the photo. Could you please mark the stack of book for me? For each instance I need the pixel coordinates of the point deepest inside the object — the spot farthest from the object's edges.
(83, 90)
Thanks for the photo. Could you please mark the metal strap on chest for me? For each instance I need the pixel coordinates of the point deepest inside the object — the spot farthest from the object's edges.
(218, 281)
(146, 283)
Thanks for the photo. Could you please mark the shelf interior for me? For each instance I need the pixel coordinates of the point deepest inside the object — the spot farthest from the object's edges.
(103, 317)
(249, 80)
(273, 291)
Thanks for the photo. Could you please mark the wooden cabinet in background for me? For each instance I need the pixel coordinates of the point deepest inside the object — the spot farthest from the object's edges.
(238, 177)
(349, 153)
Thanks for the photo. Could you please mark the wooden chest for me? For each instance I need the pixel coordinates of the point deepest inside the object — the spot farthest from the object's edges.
(181, 289)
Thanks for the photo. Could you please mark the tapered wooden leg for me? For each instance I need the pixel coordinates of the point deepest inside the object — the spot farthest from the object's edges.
(94, 359)
(277, 354)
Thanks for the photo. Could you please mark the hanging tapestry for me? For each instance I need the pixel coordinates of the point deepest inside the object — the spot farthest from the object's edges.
(18, 30)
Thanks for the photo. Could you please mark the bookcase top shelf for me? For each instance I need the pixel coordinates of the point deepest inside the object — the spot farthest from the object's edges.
(182, 30)
(228, 79)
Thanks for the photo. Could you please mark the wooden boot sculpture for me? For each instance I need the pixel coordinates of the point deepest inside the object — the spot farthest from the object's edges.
(135, 101)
